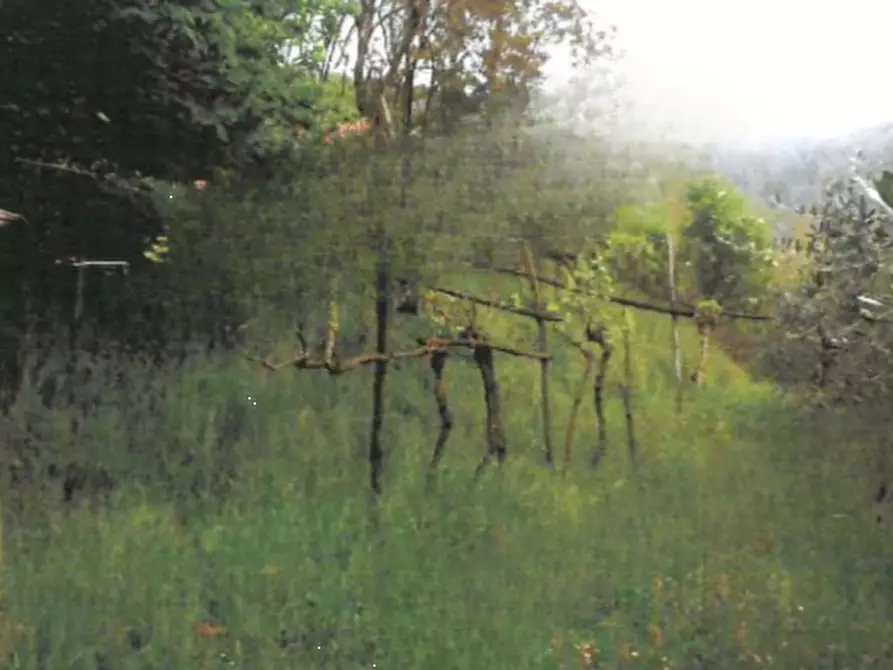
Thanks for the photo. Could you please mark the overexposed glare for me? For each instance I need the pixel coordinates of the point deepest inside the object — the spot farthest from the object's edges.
(751, 71)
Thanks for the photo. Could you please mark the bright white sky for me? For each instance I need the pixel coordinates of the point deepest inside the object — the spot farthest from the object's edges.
(753, 71)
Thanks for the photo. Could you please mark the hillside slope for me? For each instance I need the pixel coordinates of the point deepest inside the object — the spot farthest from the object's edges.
(717, 551)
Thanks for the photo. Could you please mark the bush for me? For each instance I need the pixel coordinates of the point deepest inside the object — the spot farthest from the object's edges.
(637, 247)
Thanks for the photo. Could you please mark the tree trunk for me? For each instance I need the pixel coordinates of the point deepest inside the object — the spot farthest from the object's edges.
(496, 442)
(701, 372)
(601, 447)
(627, 392)
(438, 362)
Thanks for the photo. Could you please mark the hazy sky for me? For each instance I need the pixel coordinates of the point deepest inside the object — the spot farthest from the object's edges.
(753, 71)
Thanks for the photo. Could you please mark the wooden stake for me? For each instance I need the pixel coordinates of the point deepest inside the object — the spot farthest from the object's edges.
(575, 407)
(674, 318)
(543, 347)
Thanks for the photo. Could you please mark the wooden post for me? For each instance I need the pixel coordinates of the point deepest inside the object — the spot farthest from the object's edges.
(578, 399)
(2, 558)
(601, 337)
(543, 347)
(674, 318)
(383, 130)
(79, 294)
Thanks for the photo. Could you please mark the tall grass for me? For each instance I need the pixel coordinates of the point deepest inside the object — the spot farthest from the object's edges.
(240, 533)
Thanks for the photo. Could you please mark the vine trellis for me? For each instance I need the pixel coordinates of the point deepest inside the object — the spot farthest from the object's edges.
(574, 311)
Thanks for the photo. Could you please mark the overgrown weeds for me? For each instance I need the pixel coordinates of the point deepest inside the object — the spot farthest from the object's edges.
(717, 553)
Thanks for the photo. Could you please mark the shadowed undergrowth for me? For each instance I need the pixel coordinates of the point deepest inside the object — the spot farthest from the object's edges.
(730, 547)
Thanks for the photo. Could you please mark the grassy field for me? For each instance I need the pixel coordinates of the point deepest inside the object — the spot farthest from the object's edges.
(745, 540)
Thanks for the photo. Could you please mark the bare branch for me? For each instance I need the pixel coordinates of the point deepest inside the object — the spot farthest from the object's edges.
(7, 218)
(304, 360)
(543, 344)
(60, 167)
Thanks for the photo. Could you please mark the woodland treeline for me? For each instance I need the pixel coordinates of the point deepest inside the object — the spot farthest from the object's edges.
(187, 176)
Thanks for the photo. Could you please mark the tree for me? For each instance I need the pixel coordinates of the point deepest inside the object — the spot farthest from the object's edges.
(836, 323)
(472, 56)
(728, 246)
(100, 95)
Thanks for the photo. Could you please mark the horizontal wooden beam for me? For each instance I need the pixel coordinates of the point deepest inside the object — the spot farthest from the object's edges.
(686, 312)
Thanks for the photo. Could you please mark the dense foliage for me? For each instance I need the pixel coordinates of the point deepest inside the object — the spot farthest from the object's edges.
(100, 96)
(727, 244)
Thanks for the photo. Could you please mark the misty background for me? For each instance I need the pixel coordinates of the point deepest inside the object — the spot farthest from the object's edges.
(777, 95)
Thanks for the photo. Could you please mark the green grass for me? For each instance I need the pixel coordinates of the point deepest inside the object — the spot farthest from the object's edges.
(745, 540)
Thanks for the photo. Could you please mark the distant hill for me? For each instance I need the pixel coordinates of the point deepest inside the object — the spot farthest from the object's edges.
(796, 173)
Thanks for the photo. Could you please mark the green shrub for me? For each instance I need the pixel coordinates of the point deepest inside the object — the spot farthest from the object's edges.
(637, 248)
